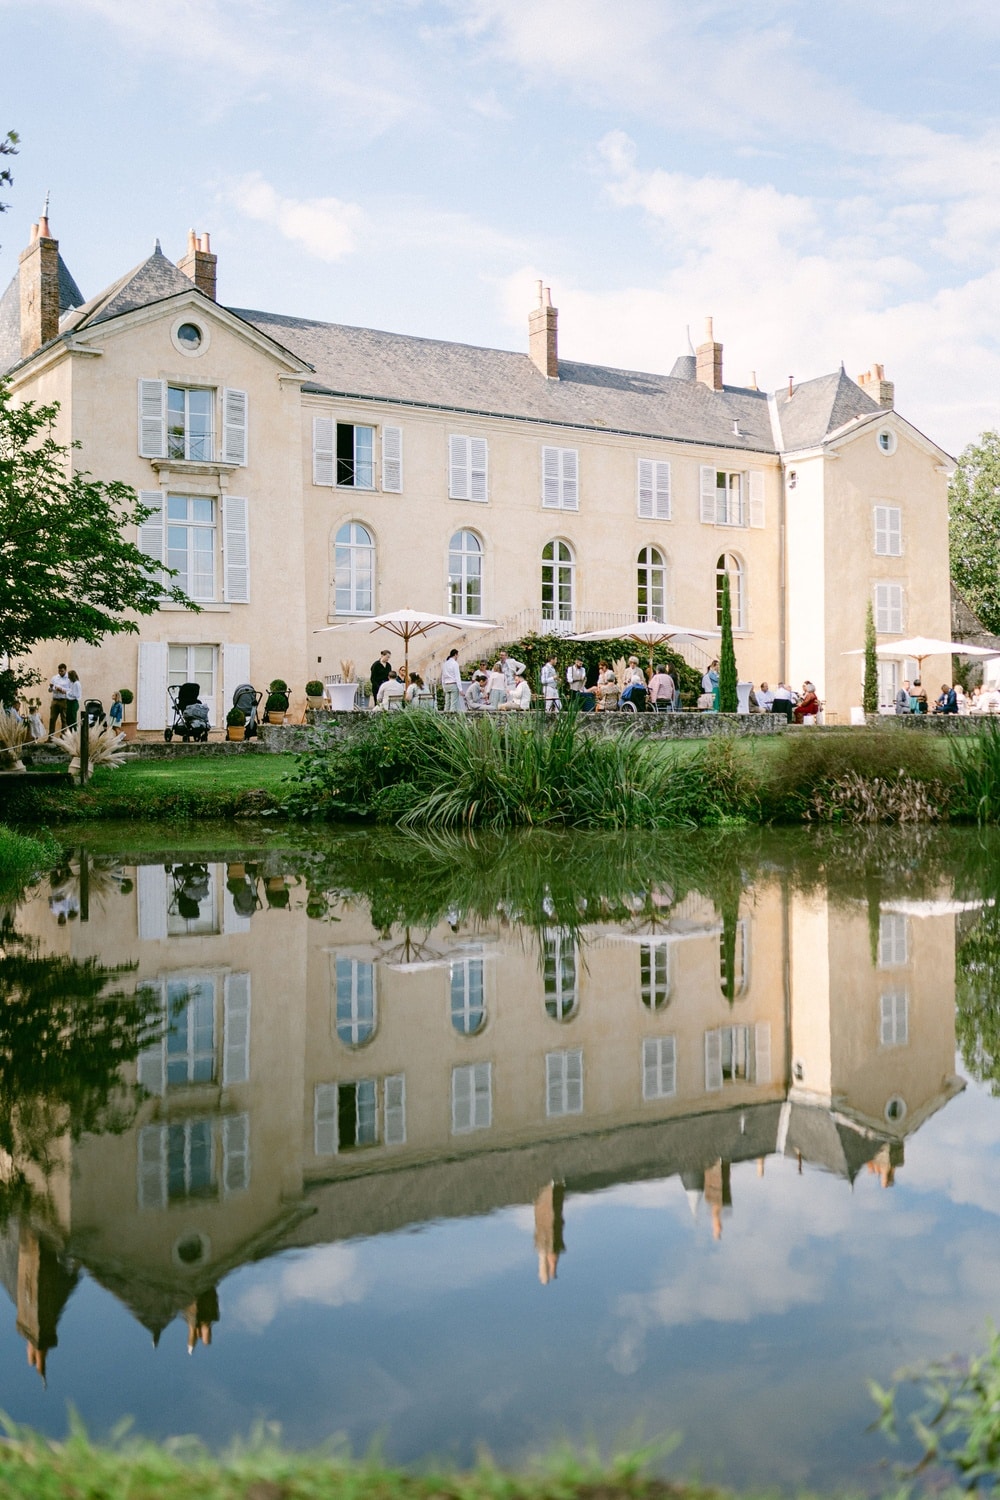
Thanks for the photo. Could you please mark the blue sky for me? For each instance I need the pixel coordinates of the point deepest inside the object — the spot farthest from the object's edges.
(824, 181)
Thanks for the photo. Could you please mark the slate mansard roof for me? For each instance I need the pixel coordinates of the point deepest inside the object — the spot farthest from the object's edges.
(401, 369)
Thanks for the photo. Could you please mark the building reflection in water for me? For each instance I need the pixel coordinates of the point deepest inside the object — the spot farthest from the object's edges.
(317, 1080)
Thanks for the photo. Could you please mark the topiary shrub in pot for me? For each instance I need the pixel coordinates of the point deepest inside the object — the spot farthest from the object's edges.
(315, 696)
(236, 722)
(276, 706)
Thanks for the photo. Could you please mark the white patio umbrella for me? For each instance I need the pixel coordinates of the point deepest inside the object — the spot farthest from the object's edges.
(918, 647)
(409, 624)
(651, 633)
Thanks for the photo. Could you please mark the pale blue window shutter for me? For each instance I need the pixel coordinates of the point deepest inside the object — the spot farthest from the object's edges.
(713, 1060)
(392, 460)
(324, 437)
(646, 489)
(458, 467)
(236, 549)
(235, 1153)
(152, 1166)
(236, 1030)
(661, 478)
(325, 1119)
(395, 1110)
(756, 497)
(234, 426)
(151, 532)
(152, 419)
(707, 512)
(570, 485)
(477, 469)
(550, 478)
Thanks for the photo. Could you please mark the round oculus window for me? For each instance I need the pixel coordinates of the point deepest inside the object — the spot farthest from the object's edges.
(886, 441)
(189, 334)
(895, 1109)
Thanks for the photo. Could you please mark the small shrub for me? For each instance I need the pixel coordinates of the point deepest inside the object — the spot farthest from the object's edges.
(803, 763)
(858, 799)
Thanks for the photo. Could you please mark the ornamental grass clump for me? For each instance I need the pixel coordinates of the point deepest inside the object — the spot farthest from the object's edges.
(106, 747)
(976, 762)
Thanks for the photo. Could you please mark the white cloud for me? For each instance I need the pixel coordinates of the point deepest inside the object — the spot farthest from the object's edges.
(325, 227)
(328, 1277)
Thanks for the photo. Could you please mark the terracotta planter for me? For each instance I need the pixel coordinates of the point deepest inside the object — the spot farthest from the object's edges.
(316, 702)
(235, 731)
(276, 718)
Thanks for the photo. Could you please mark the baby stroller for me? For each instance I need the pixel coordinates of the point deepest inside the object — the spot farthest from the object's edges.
(94, 709)
(247, 699)
(190, 714)
(191, 886)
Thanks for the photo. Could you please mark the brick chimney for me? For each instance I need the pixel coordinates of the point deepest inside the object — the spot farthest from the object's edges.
(38, 277)
(199, 263)
(874, 384)
(543, 346)
(709, 357)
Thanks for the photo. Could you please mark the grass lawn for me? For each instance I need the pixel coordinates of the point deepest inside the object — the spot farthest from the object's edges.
(242, 772)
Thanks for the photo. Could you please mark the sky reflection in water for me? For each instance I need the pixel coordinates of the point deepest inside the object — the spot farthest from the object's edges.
(449, 1146)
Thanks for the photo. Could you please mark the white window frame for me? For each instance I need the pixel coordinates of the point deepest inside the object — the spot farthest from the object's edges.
(737, 589)
(352, 484)
(186, 578)
(738, 502)
(651, 581)
(890, 608)
(659, 1067)
(359, 1027)
(560, 974)
(564, 1083)
(467, 994)
(326, 1116)
(188, 439)
(888, 525)
(560, 478)
(559, 578)
(653, 489)
(461, 575)
(471, 1097)
(468, 468)
(655, 976)
(355, 587)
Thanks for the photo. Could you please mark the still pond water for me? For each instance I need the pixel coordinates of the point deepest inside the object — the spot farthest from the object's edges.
(448, 1145)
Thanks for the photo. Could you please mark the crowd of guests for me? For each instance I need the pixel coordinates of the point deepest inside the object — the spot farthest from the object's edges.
(912, 699)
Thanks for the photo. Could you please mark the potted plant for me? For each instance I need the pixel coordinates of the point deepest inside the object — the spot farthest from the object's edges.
(236, 723)
(128, 723)
(276, 706)
(314, 693)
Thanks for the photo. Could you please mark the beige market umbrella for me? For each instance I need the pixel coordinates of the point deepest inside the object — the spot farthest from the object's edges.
(409, 624)
(918, 647)
(651, 633)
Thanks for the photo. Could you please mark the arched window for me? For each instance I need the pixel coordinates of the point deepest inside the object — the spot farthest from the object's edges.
(730, 563)
(652, 595)
(468, 1007)
(354, 570)
(559, 968)
(355, 1001)
(654, 974)
(558, 568)
(465, 574)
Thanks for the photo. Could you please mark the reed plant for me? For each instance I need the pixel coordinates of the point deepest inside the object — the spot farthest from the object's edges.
(976, 764)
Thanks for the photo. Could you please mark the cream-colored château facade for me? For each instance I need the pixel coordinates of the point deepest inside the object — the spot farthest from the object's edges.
(327, 1079)
(303, 474)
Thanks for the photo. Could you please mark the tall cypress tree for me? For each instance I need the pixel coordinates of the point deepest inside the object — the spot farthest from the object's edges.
(869, 693)
(727, 655)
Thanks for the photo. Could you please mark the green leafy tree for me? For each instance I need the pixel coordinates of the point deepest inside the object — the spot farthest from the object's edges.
(67, 571)
(869, 693)
(728, 701)
(974, 525)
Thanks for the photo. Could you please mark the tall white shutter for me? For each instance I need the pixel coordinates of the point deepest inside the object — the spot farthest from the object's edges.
(236, 1030)
(325, 1119)
(152, 1166)
(392, 460)
(889, 608)
(713, 1059)
(151, 901)
(654, 490)
(236, 549)
(756, 497)
(234, 426)
(235, 1153)
(395, 1110)
(235, 670)
(707, 495)
(574, 1082)
(458, 467)
(233, 921)
(324, 439)
(762, 1052)
(570, 486)
(152, 532)
(551, 489)
(152, 419)
(478, 458)
(151, 698)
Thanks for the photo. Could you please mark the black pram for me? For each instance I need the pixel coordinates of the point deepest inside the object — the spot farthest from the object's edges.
(190, 714)
(94, 709)
(247, 699)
